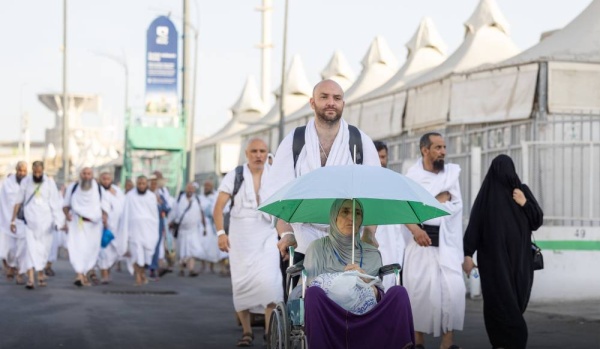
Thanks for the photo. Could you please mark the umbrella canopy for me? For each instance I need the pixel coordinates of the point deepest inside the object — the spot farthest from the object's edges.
(387, 197)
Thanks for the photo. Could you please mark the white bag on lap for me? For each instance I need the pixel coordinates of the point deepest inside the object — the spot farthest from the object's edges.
(348, 290)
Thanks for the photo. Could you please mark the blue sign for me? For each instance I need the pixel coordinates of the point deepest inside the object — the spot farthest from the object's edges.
(161, 69)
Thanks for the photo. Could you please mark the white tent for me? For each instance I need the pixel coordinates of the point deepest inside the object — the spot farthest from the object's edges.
(381, 110)
(297, 93)
(379, 65)
(486, 41)
(213, 150)
(505, 91)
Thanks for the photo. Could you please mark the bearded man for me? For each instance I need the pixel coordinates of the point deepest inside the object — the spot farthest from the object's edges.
(85, 207)
(41, 207)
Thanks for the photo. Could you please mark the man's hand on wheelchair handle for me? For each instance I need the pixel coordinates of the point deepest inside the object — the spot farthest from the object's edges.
(284, 243)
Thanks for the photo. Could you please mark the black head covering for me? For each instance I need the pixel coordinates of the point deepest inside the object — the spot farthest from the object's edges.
(500, 231)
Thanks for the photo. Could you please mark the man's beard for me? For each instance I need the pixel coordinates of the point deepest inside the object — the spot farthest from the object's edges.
(323, 117)
(38, 179)
(438, 164)
(141, 192)
(86, 184)
(19, 178)
(107, 187)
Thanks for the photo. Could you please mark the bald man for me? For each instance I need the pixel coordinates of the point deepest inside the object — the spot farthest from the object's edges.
(12, 245)
(86, 209)
(252, 242)
(327, 139)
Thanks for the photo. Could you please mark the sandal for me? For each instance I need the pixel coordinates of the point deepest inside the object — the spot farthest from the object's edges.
(94, 279)
(78, 283)
(193, 274)
(10, 274)
(20, 280)
(246, 340)
(29, 285)
(42, 283)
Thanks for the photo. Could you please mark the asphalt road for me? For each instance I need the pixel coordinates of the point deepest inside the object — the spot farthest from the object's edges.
(183, 312)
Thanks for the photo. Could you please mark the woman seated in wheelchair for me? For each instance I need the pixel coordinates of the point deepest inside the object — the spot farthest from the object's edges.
(345, 305)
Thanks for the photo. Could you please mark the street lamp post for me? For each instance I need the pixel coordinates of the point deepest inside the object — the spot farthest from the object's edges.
(189, 95)
(282, 88)
(65, 103)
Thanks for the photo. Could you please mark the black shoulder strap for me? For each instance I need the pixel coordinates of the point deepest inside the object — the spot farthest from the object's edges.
(356, 139)
(77, 184)
(237, 183)
(198, 200)
(180, 194)
(298, 143)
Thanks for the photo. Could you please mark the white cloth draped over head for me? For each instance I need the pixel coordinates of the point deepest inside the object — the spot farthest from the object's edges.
(253, 254)
(118, 246)
(139, 226)
(85, 227)
(282, 171)
(187, 213)
(42, 213)
(433, 276)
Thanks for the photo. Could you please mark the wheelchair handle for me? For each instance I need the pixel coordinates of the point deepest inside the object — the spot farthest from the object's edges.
(291, 252)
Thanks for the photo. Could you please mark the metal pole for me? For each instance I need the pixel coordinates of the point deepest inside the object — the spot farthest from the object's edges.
(265, 49)
(65, 102)
(192, 159)
(282, 89)
(186, 90)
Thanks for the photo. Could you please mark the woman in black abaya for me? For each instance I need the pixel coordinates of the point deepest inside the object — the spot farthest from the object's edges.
(503, 216)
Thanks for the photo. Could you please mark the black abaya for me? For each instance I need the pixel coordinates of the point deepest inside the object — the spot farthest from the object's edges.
(500, 231)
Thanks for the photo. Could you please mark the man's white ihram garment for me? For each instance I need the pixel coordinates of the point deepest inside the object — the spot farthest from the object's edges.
(282, 171)
(392, 241)
(139, 226)
(433, 275)
(253, 254)
(118, 246)
(42, 213)
(12, 245)
(190, 227)
(85, 228)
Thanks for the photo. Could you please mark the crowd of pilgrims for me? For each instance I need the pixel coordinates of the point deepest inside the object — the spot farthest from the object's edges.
(103, 227)
(150, 231)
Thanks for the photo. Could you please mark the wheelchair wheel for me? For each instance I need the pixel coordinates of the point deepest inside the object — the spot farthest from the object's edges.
(279, 328)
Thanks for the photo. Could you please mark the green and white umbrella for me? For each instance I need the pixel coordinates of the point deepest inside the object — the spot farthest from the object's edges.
(387, 197)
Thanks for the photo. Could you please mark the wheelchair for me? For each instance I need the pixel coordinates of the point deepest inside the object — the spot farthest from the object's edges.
(286, 328)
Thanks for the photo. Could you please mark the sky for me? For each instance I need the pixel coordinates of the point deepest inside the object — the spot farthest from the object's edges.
(229, 31)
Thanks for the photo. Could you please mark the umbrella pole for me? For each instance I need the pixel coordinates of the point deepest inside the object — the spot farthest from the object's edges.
(353, 211)
(353, 226)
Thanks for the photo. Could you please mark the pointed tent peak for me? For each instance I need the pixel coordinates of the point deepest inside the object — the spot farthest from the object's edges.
(487, 14)
(426, 36)
(379, 53)
(296, 82)
(250, 100)
(338, 66)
